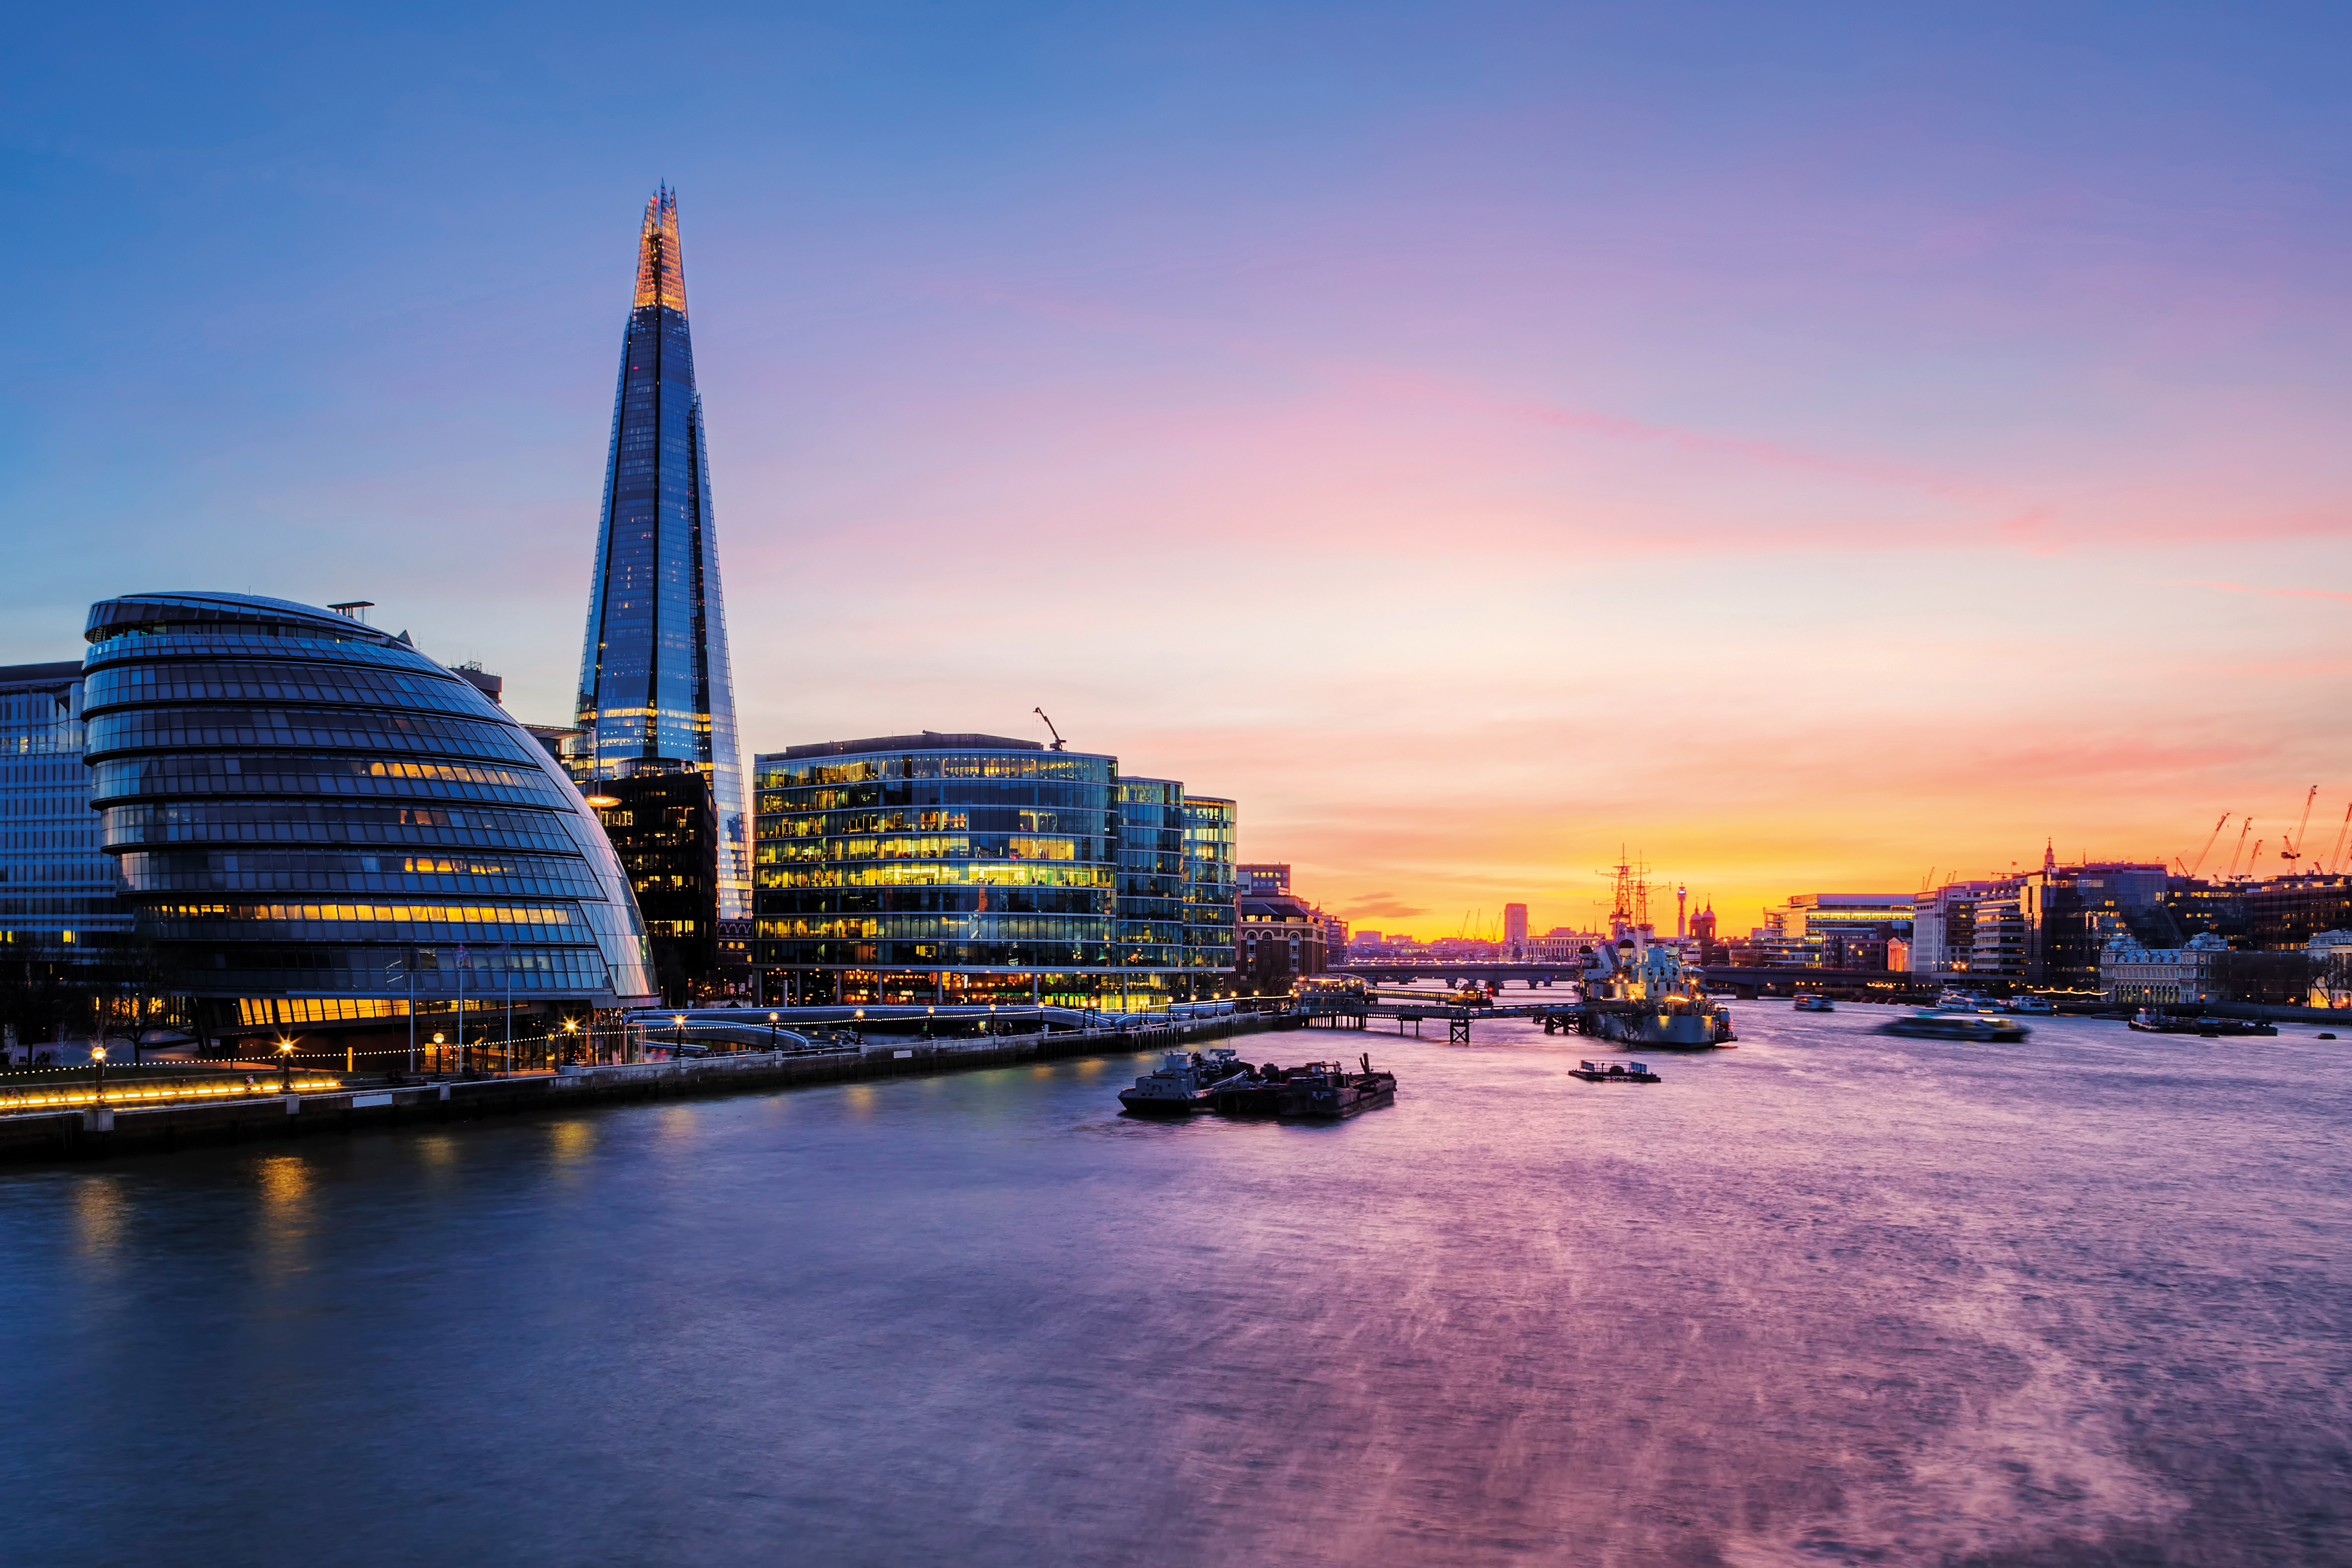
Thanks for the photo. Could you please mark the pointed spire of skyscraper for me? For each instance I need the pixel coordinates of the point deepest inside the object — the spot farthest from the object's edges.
(661, 272)
(654, 686)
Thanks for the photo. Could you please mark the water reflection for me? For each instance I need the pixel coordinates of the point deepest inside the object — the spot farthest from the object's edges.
(1829, 1298)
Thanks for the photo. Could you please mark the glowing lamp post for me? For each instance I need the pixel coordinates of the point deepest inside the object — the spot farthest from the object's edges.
(98, 1060)
(571, 1027)
(286, 1063)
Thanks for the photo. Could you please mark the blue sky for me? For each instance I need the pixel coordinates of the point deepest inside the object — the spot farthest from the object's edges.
(1813, 443)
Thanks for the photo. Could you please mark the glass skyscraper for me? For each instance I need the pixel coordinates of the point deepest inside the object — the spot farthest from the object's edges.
(655, 689)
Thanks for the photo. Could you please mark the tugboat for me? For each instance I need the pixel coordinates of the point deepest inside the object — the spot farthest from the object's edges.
(1616, 1072)
(1807, 1002)
(1637, 993)
(1182, 1083)
(1955, 1026)
(2147, 1020)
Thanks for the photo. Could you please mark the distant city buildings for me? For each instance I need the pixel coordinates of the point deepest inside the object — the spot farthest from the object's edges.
(966, 868)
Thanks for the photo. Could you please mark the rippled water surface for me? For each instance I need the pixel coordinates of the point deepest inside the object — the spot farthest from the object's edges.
(1831, 1297)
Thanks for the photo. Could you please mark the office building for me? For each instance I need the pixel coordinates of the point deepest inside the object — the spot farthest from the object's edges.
(655, 687)
(1264, 878)
(57, 897)
(313, 822)
(1515, 929)
(1834, 930)
(664, 827)
(971, 868)
(1211, 842)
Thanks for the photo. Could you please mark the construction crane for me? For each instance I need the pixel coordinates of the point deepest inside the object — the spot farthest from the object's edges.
(2252, 859)
(1049, 727)
(2207, 850)
(2291, 848)
(2240, 848)
(2336, 855)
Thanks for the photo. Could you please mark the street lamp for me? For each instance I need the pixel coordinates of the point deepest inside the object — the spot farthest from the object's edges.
(679, 1050)
(571, 1027)
(440, 1063)
(98, 1058)
(286, 1063)
(771, 1032)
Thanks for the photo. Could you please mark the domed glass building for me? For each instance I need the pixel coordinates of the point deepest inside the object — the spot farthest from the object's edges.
(312, 819)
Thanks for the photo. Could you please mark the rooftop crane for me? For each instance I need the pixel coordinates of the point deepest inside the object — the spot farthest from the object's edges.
(2291, 848)
(2240, 845)
(2255, 856)
(2336, 855)
(1049, 727)
(2207, 850)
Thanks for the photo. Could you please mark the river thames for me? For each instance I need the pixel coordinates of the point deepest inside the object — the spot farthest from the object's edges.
(1830, 1297)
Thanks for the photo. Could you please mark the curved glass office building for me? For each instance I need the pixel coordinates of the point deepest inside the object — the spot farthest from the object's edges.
(969, 868)
(310, 817)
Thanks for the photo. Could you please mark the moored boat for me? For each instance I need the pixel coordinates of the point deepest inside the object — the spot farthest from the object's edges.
(2149, 1021)
(1807, 1002)
(1615, 1072)
(1639, 993)
(1182, 1083)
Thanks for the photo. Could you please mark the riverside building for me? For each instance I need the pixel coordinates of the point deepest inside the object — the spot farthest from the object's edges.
(656, 693)
(57, 885)
(968, 869)
(313, 822)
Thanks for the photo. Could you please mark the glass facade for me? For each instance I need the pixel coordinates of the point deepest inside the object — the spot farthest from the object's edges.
(1211, 834)
(654, 686)
(57, 885)
(972, 868)
(298, 805)
(664, 829)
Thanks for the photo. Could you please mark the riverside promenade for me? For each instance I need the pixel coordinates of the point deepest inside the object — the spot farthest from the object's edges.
(106, 1130)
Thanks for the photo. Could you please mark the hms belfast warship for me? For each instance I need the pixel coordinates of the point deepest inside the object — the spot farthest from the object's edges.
(1638, 991)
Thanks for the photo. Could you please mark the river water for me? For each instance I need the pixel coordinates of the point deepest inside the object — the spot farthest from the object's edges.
(1830, 1297)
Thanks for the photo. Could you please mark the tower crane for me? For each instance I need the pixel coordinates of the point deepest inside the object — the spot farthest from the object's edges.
(2336, 855)
(2207, 850)
(2290, 849)
(2253, 858)
(2239, 848)
(1049, 727)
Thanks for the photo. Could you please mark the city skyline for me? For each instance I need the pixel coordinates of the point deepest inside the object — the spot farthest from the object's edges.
(1932, 420)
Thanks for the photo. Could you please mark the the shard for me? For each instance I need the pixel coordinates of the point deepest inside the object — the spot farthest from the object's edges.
(656, 693)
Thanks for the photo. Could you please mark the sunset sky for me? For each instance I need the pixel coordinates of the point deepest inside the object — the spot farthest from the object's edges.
(1814, 446)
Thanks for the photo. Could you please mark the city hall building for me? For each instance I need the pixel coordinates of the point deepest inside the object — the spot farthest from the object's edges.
(966, 869)
(313, 822)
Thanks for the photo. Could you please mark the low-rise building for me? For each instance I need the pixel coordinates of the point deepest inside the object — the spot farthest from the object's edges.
(1835, 930)
(2133, 974)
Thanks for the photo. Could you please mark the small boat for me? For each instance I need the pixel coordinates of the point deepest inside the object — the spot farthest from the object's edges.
(1806, 1002)
(1615, 1072)
(1318, 1092)
(1957, 1001)
(2149, 1021)
(1945, 1025)
(2037, 1006)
